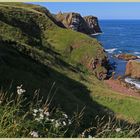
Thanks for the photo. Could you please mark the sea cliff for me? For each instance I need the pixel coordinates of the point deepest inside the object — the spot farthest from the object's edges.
(88, 24)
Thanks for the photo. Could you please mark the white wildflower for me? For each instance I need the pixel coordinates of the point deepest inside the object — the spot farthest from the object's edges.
(0, 102)
(47, 119)
(83, 134)
(57, 124)
(65, 115)
(38, 119)
(64, 123)
(118, 129)
(19, 87)
(47, 113)
(89, 136)
(52, 120)
(41, 116)
(40, 110)
(20, 90)
(34, 134)
(70, 122)
(35, 110)
(34, 114)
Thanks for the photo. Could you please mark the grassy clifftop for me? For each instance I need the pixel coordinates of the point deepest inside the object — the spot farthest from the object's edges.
(36, 52)
(33, 26)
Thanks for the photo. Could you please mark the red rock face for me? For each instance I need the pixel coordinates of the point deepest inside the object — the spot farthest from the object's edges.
(74, 21)
(133, 69)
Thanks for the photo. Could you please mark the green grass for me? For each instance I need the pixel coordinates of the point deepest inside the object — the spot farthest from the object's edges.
(46, 32)
(127, 108)
(47, 54)
(23, 118)
(74, 46)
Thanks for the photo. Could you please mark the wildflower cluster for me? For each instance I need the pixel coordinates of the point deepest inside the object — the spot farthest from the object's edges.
(20, 90)
(43, 115)
(51, 121)
(34, 134)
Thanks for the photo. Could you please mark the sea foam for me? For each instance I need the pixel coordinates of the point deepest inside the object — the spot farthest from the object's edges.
(111, 50)
(133, 81)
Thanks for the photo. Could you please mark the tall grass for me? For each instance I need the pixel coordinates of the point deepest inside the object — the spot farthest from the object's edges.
(20, 117)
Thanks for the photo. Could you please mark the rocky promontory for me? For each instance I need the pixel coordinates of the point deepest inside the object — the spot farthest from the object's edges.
(126, 57)
(93, 24)
(88, 25)
(133, 69)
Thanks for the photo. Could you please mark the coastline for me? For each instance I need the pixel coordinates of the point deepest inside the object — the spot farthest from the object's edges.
(122, 88)
(118, 38)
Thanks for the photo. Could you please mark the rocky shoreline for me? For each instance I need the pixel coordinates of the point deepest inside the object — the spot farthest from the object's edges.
(90, 26)
(122, 87)
(126, 84)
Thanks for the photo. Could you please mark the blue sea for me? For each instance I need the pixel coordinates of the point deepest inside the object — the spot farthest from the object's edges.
(121, 36)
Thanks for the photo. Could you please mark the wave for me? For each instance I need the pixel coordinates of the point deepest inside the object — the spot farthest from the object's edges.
(133, 81)
(136, 52)
(95, 34)
(120, 51)
(111, 50)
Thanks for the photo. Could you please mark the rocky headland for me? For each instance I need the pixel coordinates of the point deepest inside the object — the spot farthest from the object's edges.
(88, 24)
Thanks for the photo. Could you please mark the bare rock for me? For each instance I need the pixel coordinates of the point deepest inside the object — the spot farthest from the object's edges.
(126, 57)
(133, 69)
(88, 25)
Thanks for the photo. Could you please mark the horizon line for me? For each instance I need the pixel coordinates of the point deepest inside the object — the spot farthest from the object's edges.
(117, 19)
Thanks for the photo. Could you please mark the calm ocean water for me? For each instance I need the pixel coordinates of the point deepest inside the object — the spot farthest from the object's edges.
(120, 36)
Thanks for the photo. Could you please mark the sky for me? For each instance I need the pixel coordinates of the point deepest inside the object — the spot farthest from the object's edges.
(108, 10)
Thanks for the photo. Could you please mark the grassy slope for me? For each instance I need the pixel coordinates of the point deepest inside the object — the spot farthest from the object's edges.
(74, 88)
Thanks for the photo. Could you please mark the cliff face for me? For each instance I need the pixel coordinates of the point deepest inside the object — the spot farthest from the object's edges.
(74, 21)
(93, 24)
(133, 69)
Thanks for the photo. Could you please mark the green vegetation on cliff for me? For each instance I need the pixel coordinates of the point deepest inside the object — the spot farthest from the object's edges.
(36, 52)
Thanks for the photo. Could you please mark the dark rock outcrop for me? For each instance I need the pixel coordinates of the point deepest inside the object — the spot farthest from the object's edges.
(133, 69)
(88, 25)
(99, 67)
(93, 24)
